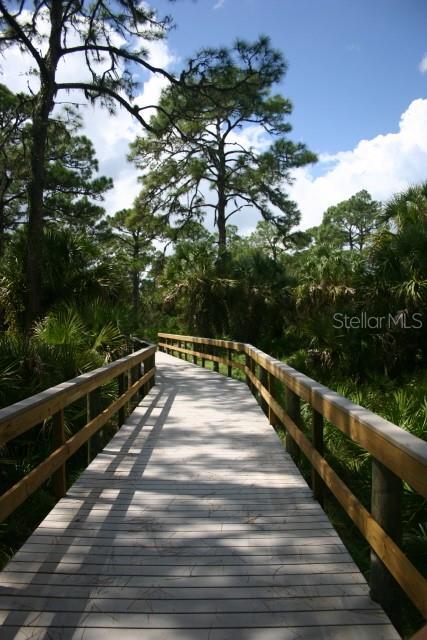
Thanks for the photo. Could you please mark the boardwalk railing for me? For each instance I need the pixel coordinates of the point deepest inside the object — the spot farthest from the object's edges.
(397, 456)
(18, 418)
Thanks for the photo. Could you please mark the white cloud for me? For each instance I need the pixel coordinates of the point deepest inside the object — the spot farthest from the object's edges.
(383, 165)
(423, 64)
(126, 188)
(219, 4)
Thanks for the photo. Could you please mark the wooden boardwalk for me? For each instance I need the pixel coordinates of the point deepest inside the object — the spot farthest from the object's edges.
(192, 524)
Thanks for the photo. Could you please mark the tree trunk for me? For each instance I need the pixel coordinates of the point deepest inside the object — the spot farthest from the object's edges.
(221, 192)
(222, 233)
(39, 133)
(33, 306)
(135, 277)
(2, 226)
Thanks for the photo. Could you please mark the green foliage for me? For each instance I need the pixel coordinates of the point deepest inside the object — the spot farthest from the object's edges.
(71, 188)
(351, 222)
(192, 145)
(74, 268)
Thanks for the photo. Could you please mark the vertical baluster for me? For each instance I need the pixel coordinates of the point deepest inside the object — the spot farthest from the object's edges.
(59, 479)
(93, 407)
(263, 378)
(270, 387)
(149, 364)
(248, 366)
(122, 411)
(215, 352)
(317, 438)
(293, 409)
(230, 368)
(253, 369)
(386, 505)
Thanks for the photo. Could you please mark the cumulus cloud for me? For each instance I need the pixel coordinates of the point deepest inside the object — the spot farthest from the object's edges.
(423, 64)
(383, 165)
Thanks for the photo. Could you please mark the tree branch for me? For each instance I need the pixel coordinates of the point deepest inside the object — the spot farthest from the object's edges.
(121, 53)
(93, 88)
(13, 23)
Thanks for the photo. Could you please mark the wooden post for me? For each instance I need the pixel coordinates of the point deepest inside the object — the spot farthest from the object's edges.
(317, 484)
(215, 364)
(149, 364)
(270, 387)
(386, 500)
(248, 365)
(263, 378)
(253, 369)
(59, 479)
(185, 354)
(93, 408)
(121, 417)
(230, 368)
(202, 349)
(293, 409)
(194, 357)
(134, 375)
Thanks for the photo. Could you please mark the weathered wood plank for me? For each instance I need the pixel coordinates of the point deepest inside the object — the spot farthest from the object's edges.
(219, 605)
(192, 523)
(317, 632)
(249, 619)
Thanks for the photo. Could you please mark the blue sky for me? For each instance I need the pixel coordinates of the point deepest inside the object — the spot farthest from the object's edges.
(353, 64)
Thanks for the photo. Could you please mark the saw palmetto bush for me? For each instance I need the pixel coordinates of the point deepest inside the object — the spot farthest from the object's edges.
(62, 345)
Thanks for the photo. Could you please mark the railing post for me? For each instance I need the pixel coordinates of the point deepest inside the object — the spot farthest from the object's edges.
(194, 357)
(215, 364)
(59, 480)
(317, 484)
(270, 386)
(122, 411)
(185, 354)
(293, 409)
(263, 378)
(134, 374)
(386, 499)
(93, 407)
(248, 360)
(149, 364)
(230, 368)
(202, 349)
(253, 369)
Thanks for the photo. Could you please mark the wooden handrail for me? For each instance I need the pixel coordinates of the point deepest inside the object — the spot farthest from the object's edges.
(396, 456)
(400, 451)
(26, 414)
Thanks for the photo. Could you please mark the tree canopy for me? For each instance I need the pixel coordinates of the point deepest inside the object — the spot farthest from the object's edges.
(350, 222)
(201, 159)
(110, 36)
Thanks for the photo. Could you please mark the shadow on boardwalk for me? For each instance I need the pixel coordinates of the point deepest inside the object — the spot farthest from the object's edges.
(192, 523)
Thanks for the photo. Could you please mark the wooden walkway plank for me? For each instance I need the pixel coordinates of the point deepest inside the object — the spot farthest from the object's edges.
(193, 523)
